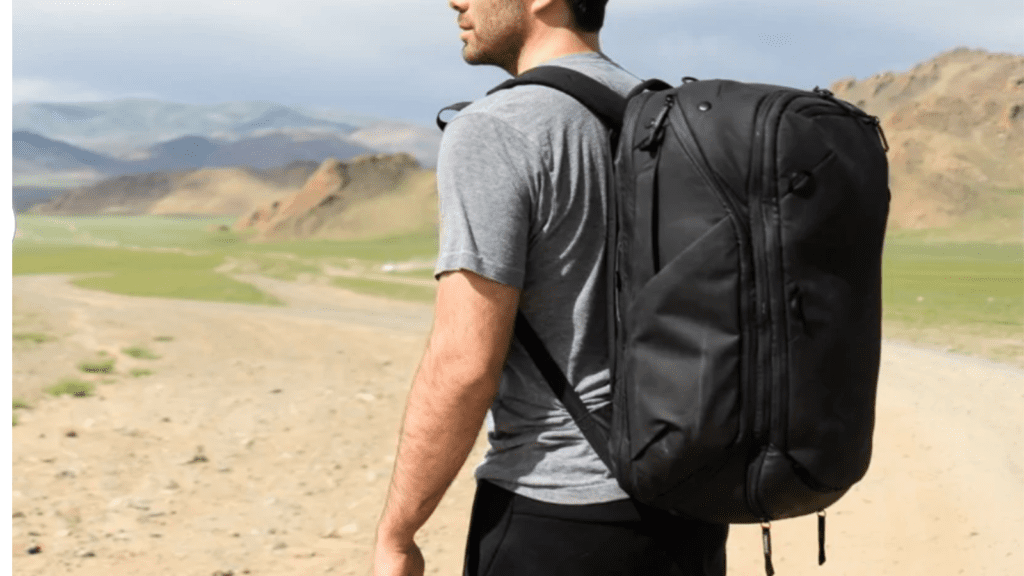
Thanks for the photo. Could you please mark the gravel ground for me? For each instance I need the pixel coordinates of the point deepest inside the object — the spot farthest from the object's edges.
(263, 438)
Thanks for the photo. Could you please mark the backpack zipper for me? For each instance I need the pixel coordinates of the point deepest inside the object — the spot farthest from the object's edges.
(763, 249)
(747, 303)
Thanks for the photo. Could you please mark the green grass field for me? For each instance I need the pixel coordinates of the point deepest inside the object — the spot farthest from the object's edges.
(967, 297)
(964, 296)
(177, 257)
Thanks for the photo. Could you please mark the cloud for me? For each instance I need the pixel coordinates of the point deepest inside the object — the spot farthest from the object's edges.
(994, 24)
(47, 90)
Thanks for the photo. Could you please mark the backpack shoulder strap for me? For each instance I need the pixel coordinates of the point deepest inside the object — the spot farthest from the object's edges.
(593, 429)
(604, 102)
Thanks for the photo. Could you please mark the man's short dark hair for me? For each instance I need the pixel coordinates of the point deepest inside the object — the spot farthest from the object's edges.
(588, 15)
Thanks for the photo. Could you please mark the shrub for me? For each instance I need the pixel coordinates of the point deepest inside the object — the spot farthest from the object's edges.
(139, 352)
(139, 372)
(97, 367)
(71, 387)
(34, 337)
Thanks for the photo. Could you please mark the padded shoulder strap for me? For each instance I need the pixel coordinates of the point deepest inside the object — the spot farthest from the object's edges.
(604, 102)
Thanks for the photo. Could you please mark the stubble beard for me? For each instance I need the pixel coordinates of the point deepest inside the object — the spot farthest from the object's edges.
(496, 41)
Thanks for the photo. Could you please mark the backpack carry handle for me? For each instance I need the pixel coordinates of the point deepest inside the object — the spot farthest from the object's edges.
(457, 107)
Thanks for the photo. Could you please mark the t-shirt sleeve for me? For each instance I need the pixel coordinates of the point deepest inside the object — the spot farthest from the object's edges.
(487, 173)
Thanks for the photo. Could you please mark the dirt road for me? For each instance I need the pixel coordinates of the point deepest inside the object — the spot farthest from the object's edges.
(262, 441)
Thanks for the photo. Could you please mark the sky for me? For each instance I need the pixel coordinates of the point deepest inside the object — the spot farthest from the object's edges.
(401, 58)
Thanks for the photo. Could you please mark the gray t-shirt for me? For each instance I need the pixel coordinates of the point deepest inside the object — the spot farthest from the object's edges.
(523, 178)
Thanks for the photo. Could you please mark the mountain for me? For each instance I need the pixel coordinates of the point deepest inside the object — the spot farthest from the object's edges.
(955, 127)
(209, 191)
(125, 129)
(34, 153)
(368, 196)
(40, 158)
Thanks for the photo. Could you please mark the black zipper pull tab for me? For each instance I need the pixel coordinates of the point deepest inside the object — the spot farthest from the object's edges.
(766, 541)
(873, 120)
(878, 126)
(821, 537)
(657, 126)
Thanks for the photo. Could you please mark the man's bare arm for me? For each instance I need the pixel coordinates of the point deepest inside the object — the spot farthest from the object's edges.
(451, 392)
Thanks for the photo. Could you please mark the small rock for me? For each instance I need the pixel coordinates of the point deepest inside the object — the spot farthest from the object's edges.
(275, 391)
(66, 474)
(172, 485)
(200, 456)
(62, 533)
(85, 554)
(18, 515)
(365, 397)
(280, 546)
(71, 434)
(37, 549)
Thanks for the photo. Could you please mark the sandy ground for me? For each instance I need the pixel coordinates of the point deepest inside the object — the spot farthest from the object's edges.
(263, 440)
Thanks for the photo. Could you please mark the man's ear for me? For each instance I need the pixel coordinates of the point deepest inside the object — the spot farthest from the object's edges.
(548, 8)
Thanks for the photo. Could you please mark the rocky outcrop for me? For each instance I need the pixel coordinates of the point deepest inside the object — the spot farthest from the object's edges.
(332, 191)
(955, 126)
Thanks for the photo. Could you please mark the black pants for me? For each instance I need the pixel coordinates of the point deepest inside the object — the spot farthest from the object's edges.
(511, 535)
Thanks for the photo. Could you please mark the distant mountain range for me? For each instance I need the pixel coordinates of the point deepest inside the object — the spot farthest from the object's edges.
(35, 154)
(954, 125)
(84, 142)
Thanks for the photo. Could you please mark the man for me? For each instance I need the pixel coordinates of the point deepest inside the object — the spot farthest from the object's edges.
(523, 180)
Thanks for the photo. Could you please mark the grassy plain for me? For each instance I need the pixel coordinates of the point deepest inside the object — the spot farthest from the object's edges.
(180, 257)
(963, 296)
(967, 297)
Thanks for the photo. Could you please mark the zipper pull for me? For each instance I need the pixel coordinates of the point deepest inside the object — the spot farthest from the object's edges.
(657, 126)
(766, 541)
(864, 116)
(878, 126)
(821, 537)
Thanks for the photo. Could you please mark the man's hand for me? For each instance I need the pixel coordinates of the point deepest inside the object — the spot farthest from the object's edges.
(451, 392)
(391, 560)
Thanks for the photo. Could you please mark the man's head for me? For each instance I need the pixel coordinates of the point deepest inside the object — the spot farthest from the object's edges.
(517, 34)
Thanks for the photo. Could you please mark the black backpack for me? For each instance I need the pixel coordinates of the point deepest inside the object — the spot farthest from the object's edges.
(744, 243)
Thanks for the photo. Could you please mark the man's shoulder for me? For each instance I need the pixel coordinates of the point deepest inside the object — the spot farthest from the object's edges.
(527, 105)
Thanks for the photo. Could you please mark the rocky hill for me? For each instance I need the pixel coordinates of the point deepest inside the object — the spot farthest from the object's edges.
(209, 191)
(367, 196)
(955, 126)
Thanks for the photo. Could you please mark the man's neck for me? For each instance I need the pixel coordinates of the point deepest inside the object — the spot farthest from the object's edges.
(555, 43)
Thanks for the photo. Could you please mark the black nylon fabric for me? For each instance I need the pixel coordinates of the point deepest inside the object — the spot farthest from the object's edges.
(746, 367)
